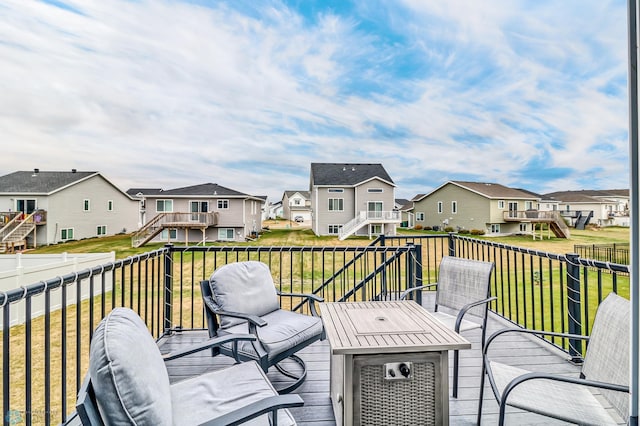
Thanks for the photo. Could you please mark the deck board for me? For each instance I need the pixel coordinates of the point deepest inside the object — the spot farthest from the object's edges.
(317, 411)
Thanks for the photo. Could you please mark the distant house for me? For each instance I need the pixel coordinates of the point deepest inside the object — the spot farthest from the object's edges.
(352, 199)
(43, 207)
(405, 207)
(206, 212)
(491, 207)
(603, 207)
(275, 210)
(296, 204)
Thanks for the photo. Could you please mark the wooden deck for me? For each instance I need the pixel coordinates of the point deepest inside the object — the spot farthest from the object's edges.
(317, 411)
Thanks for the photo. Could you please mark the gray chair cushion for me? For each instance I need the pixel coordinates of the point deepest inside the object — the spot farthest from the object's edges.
(245, 287)
(284, 330)
(462, 281)
(127, 371)
(211, 395)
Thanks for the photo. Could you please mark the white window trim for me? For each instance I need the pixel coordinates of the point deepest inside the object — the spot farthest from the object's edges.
(375, 190)
(98, 230)
(226, 231)
(86, 205)
(335, 210)
(337, 226)
(336, 190)
(440, 207)
(420, 216)
(223, 201)
(164, 205)
(67, 232)
(454, 207)
(109, 205)
(501, 204)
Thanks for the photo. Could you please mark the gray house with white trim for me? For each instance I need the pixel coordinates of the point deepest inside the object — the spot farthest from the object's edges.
(44, 207)
(198, 213)
(352, 199)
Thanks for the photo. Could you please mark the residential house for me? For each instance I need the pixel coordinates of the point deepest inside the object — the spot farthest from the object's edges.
(601, 207)
(490, 207)
(275, 210)
(352, 199)
(296, 205)
(45, 207)
(199, 213)
(405, 207)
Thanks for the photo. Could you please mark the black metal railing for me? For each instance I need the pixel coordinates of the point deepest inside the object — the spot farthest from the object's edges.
(45, 357)
(534, 289)
(615, 253)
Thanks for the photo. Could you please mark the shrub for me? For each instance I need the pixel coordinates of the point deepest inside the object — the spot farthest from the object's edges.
(417, 227)
(463, 231)
(449, 229)
(477, 232)
(428, 228)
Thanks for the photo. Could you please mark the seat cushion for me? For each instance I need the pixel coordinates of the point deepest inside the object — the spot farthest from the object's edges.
(284, 330)
(450, 321)
(127, 372)
(245, 287)
(211, 395)
(565, 401)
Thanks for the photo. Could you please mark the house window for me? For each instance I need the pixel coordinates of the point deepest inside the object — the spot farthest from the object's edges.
(454, 207)
(501, 204)
(495, 228)
(523, 227)
(375, 229)
(199, 206)
(223, 204)
(336, 204)
(110, 205)
(164, 206)
(169, 234)
(440, 208)
(101, 230)
(420, 216)
(85, 205)
(227, 234)
(334, 229)
(375, 190)
(66, 234)
(297, 201)
(528, 205)
(338, 190)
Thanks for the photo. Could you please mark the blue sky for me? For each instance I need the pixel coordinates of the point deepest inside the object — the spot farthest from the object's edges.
(246, 94)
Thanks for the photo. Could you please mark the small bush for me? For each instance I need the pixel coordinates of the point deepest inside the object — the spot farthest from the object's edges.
(428, 228)
(449, 229)
(463, 231)
(417, 227)
(477, 232)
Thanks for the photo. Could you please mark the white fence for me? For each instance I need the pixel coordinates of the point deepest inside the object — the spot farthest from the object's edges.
(17, 270)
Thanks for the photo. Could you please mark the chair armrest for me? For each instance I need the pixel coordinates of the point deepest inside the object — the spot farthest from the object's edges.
(468, 306)
(208, 344)
(405, 293)
(257, 408)
(253, 319)
(310, 299)
(529, 331)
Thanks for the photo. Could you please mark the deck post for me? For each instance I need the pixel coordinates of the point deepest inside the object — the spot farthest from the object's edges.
(574, 306)
(452, 244)
(417, 256)
(168, 284)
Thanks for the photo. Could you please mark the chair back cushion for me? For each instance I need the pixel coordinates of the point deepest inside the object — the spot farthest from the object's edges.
(245, 287)
(462, 281)
(607, 356)
(129, 378)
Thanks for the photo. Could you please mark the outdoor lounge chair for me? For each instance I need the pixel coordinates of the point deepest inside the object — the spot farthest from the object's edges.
(128, 383)
(241, 297)
(605, 369)
(462, 288)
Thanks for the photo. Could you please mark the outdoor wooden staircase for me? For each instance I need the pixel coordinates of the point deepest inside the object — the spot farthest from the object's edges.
(172, 221)
(13, 235)
(553, 218)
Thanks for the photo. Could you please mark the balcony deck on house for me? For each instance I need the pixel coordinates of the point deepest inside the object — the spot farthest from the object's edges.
(516, 350)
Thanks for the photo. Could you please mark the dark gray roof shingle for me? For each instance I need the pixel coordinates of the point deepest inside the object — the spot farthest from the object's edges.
(347, 174)
(40, 182)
